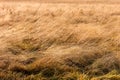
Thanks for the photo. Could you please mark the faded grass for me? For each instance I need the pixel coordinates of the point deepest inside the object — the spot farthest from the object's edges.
(59, 42)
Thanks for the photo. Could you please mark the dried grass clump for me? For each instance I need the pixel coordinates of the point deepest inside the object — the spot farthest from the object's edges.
(10, 75)
(26, 45)
(105, 64)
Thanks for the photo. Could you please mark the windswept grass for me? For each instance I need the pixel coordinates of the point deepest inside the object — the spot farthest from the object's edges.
(59, 41)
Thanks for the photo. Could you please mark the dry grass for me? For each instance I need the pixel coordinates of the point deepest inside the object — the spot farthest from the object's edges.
(59, 41)
(68, 1)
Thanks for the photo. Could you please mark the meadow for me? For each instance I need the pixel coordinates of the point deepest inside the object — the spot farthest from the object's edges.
(61, 41)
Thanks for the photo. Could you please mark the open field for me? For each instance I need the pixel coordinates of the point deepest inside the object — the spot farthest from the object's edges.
(47, 41)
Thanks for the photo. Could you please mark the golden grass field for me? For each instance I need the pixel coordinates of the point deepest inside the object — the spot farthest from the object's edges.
(62, 41)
